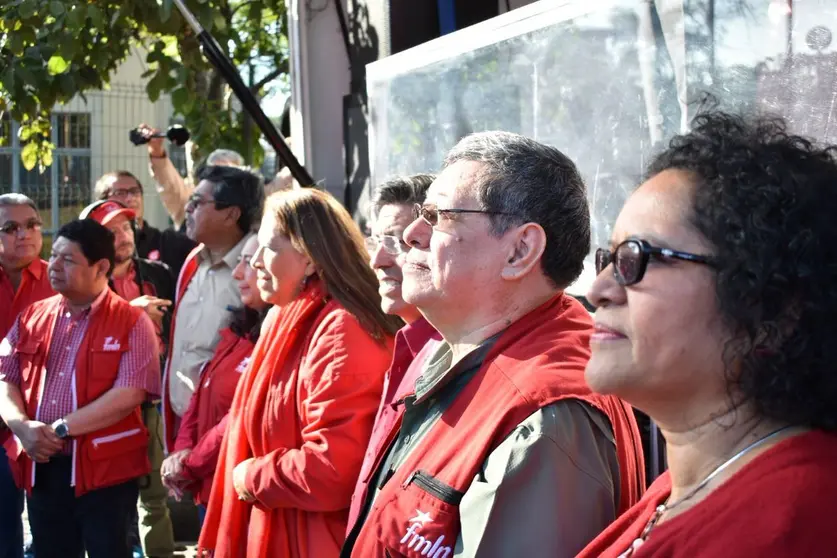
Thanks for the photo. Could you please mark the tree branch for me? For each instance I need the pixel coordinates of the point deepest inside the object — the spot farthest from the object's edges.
(268, 78)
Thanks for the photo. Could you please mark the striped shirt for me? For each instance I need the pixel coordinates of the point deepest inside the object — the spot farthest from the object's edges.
(139, 366)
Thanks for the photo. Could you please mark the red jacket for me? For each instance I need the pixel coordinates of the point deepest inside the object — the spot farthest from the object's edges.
(782, 504)
(414, 343)
(204, 423)
(108, 456)
(538, 360)
(187, 272)
(34, 286)
(304, 411)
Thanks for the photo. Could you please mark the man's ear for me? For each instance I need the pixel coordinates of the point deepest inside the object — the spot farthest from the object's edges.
(102, 268)
(234, 213)
(526, 248)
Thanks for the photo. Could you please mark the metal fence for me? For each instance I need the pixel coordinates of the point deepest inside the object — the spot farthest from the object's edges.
(91, 138)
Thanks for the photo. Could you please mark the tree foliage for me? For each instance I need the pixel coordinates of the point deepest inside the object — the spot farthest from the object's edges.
(53, 50)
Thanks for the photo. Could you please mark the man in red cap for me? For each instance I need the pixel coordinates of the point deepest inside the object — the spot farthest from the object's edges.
(149, 285)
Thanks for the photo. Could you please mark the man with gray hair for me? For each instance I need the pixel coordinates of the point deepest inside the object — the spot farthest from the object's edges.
(500, 448)
(23, 280)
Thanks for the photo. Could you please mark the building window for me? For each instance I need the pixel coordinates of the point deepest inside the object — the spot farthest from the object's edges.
(63, 189)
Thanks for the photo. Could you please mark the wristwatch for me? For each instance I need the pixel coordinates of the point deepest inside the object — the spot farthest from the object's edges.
(61, 429)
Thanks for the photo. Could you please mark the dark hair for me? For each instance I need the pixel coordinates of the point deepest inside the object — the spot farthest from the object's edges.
(95, 240)
(320, 228)
(402, 190)
(236, 187)
(103, 187)
(765, 200)
(247, 322)
(532, 183)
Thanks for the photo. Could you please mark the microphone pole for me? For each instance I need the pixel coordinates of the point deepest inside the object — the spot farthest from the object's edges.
(212, 51)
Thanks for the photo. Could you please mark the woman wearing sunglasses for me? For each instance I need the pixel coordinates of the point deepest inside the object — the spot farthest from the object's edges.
(715, 309)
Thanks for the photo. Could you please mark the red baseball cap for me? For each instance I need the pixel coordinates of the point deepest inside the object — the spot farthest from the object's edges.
(108, 211)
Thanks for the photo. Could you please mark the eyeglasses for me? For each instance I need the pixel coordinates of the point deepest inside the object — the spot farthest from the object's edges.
(630, 260)
(196, 201)
(13, 228)
(429, 213)
(126, 192)
(393, 245)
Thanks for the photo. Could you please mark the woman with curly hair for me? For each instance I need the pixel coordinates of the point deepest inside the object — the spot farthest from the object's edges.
(715, 309)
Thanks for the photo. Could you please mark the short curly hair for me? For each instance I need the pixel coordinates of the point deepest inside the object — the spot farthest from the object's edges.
(766, 200)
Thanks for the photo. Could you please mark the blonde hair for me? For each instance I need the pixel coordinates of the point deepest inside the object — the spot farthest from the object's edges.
(319, 227)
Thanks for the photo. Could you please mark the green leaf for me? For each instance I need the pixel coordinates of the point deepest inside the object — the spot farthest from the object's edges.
(29, 155)
(95, 15)
(27, 8)
(182, 100)
(68, 85)
(165, 13)
(57, 65)
(76, 18)
(155, 85)
(56, 8)
(68, 48)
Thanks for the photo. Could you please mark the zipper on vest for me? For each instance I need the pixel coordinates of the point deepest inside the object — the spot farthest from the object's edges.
(434, 487)
(114, 437)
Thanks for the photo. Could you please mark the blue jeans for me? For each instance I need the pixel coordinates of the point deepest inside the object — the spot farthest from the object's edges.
(11, 511)
(201, 514)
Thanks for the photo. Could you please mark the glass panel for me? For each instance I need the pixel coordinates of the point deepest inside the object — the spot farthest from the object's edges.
(5, 173)
(73, 185)
(606, 83)
(73, 129)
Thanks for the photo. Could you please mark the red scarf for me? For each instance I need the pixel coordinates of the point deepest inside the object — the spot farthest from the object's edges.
(225, 530)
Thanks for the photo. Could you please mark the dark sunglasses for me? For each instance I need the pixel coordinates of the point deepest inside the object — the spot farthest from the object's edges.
(630, 260)
(13, 228)
(429, 213)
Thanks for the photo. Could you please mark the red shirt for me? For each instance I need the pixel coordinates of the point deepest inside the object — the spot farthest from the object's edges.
(781, 504)
(34, 286)
(411, 340)
(204, 423)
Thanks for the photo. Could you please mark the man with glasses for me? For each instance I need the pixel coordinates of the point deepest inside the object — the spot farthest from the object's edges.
(500, 448)
(173, 189)
(23, 280)
(219, 215)
(168, 246)
(392, 213)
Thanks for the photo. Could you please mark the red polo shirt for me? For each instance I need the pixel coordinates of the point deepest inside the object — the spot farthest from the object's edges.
(34, 286)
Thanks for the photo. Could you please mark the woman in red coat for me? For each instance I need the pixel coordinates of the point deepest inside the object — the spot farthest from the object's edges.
(192, 463)
(303, 411)
(715, 316)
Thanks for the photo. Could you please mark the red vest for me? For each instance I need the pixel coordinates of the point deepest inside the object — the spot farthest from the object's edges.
(108, 456)
(538, 360)
(187, 272)
(414, 344)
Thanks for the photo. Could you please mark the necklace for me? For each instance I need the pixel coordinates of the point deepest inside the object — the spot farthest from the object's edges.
(666, 506)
